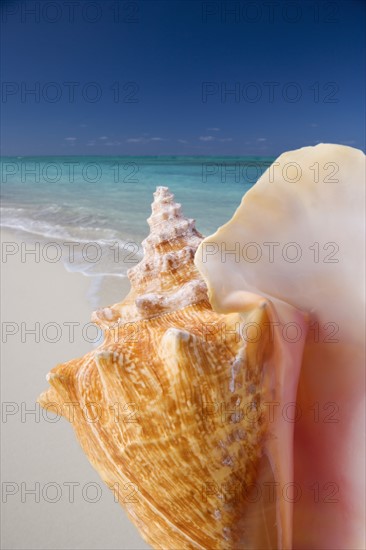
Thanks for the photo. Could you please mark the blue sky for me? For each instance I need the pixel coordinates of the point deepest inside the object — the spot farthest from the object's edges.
(181, 77)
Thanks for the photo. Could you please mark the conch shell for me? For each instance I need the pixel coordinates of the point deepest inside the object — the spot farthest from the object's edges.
(174, 407)
(298, 239)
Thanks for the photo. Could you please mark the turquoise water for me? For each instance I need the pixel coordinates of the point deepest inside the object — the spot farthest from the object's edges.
(106, 200)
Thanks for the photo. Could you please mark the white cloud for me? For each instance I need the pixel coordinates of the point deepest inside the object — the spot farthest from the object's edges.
(314, 125)
(103, 137)
(207, 138)
(144, 139)
(112, 143)
(182, 141)
(91, 143)
(213, 129)
(70, 138)
(262, 139)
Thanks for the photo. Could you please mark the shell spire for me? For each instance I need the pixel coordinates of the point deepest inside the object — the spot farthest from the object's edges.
(166, 278)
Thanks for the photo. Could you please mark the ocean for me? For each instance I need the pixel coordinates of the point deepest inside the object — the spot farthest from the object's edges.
(92, 210)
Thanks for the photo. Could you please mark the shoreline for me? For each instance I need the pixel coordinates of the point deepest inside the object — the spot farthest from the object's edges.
(22, 248)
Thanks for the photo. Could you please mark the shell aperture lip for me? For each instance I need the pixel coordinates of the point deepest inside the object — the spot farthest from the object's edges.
(300, 236)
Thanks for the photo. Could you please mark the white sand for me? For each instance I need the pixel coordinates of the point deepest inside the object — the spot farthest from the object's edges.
(35, 449)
